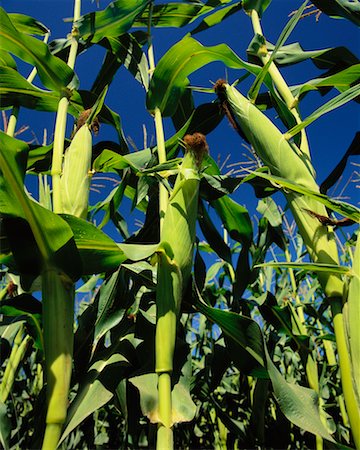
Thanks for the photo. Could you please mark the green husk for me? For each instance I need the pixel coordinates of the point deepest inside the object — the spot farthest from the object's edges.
(76, 174)
(175, 256)
(287, 161)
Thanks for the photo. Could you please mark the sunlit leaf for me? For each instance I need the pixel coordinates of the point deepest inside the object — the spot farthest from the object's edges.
(27, 24)
(217, 17)
(51, 233)
(336, 102)
(54, 73)
(188, 55)
(343, 208)
(116, 19)
(5, 427)
(171, 14)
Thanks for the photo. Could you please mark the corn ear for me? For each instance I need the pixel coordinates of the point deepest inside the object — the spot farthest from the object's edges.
(175, 256)
(287, 161)
(76, 176)
(176, 250)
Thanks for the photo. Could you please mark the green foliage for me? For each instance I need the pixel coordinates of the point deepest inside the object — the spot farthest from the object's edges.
(252, 348)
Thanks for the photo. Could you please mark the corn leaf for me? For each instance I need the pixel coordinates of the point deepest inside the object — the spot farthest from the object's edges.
(5, 427)
(342, 81)
(51, 233)
(217, 17)
(97, 386)
(54, 73)
(126, 50)
(334, 176)
(212, 235)
(116, 19)
(259, 5)
(235, 218)
(172, 14)
(183, 408)
(27, 24)
(16, 90)
(343, 208)
(110, 161)
(298, 404)
(7, 60)
(245, 332)
(312, 267)
(336, 102)
(340, 8)
(254, 90)
(337, 58)
(170, 76)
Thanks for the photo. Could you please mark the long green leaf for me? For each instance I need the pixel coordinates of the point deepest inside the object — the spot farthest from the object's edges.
(188, 55)
(16, 90)
(53, 72)
(27, 24)
(332, 104)
(345, 209)
(5, 427)
(254, 90)
(51, 233)
(342, 81)
(217, 17)
(298, 404)
(172, 14)
(340, 8)
(97, 387)
(113, 21)
(314, 267)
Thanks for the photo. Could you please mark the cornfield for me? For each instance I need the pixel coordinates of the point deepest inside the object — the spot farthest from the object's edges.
(147, 299)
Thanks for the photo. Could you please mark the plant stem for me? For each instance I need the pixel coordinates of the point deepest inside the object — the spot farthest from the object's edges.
(159, 129)
(10, 131)
(58, 311)
(164, 438)
(331, 360)
(60, 123)
(345, 369)
(280, 83)
(311, 365)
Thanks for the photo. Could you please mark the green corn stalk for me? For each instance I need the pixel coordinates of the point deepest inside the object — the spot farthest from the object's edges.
(174, 268)
(287, 161)
(58, 314)
(76, 175)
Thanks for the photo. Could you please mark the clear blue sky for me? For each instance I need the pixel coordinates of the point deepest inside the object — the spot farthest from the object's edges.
(329, 136)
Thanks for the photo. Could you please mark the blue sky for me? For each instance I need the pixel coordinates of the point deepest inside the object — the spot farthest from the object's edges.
(329, 136)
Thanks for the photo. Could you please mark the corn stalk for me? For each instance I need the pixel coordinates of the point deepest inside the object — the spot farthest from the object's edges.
(174, 268)
(286, 160)
(57, 288)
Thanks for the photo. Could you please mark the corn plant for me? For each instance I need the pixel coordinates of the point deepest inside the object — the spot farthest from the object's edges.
(202, 326)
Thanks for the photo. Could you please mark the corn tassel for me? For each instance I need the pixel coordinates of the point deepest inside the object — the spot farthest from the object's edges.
(287, 161)
(174, 268)
(58, 316)
(76, 174)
